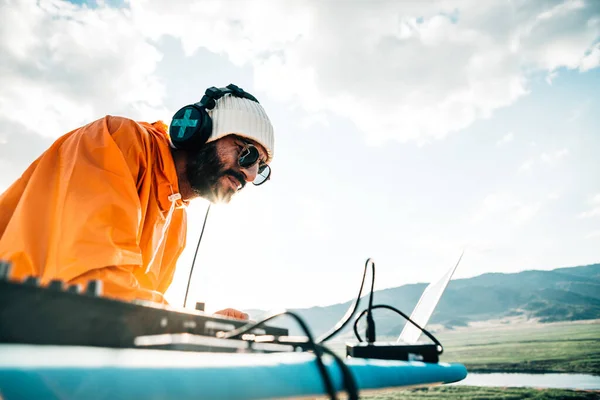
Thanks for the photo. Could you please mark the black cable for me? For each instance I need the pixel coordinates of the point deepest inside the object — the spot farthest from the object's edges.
(372, 284)
(352, 309)
(429, 335)
(194, 260)
(237, 334)
(370, 331)
(348, 378)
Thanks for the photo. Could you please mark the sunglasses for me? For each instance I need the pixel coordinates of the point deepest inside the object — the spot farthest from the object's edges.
(250, 156)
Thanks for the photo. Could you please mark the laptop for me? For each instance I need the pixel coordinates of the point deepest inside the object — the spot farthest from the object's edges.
(425, 307)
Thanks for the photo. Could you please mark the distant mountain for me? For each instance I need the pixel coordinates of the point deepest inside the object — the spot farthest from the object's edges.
(563, 294)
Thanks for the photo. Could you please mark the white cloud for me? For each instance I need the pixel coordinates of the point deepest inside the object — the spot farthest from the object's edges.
(551, 76)
(551, 38)
(551, 158)
(593, 235)
(505, 207)
(314, 119)
(591, 60)
(509, 137)
(64, 65)
(594, 210)
(400, 70)
(527, 166)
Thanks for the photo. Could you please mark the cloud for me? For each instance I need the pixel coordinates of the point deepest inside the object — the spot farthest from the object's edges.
(19, 147)
(593, 235)
(551, 158)
(64, 65)
(594, 210)
(527, 166)
(505, 139)
(550, 37)
(505, 207)
(591, 60)
(399, 70)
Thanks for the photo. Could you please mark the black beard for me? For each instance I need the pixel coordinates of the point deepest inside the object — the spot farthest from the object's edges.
(205, 168)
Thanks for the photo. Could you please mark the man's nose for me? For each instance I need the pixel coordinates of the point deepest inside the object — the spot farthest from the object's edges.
(251, 172)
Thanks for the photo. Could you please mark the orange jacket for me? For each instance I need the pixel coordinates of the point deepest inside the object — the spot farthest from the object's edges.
(93, 206)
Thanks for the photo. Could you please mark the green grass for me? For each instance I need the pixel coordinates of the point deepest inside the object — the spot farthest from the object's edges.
(559, 347)
(482, 393)
(572, 347)
(568, 347)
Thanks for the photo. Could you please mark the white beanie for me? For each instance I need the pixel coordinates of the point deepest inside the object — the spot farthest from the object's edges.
(242, 117)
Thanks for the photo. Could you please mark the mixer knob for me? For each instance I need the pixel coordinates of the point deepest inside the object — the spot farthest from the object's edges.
(32, 281)
(56, 284)
(94, 288)
(74, 288)
(5, 268)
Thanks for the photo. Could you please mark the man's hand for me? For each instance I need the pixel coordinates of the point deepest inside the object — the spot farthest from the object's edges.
(231, 313)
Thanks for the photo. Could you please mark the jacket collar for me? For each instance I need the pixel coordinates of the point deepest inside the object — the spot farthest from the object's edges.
(165, 178)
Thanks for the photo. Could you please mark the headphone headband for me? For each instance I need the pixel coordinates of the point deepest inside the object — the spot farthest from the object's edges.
(213, 94)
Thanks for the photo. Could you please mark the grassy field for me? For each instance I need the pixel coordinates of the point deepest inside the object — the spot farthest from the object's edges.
(482, 393)
(525, 347)
(513, 346)
(520, 346)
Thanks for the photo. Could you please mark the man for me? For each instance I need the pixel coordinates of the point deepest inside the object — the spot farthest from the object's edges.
(108, 200)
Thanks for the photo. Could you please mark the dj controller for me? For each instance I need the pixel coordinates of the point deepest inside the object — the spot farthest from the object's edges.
(72, 315)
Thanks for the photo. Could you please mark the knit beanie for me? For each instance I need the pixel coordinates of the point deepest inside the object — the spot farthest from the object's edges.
(242, 117)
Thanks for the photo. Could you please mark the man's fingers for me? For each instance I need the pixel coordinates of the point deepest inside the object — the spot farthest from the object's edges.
(233, 313)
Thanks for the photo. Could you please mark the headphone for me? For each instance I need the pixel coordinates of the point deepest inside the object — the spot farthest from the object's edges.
(191, 126)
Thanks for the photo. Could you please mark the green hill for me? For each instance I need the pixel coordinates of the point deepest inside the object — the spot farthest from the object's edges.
(563, 294)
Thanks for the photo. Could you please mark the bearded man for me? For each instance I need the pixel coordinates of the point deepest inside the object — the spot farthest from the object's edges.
(107, 201)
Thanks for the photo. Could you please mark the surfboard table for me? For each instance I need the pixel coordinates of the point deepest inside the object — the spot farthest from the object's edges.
(70, 372)
(63, 342)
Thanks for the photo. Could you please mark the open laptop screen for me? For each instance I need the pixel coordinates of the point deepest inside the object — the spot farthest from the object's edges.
(425, 307)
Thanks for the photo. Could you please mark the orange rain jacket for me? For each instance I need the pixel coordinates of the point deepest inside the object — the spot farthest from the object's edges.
(94, 206)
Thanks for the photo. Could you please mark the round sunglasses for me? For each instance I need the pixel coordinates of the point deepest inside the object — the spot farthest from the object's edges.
(250, 156)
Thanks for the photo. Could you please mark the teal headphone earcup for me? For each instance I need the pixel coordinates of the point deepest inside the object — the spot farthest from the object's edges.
(190, 127)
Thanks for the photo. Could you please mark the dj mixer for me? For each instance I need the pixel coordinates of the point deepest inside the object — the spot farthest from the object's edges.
(61, 314)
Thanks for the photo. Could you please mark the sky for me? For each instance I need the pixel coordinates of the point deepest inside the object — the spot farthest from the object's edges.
(405, 131)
